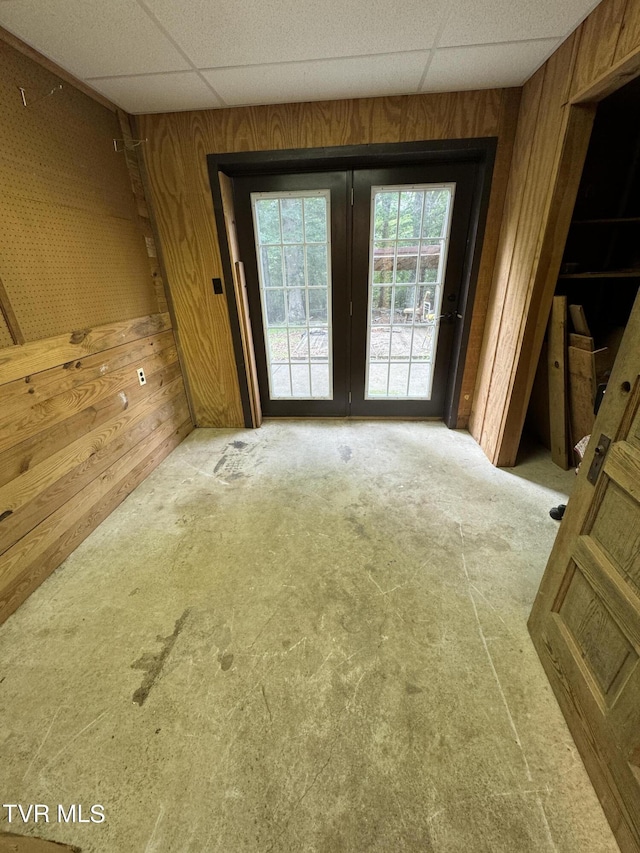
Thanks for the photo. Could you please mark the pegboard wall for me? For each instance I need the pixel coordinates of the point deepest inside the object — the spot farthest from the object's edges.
(5, 336)
(72, 254)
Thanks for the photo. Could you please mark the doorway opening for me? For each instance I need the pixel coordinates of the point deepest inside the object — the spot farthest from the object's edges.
(357, 269)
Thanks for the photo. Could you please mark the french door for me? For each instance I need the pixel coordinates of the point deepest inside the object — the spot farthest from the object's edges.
(354, 281)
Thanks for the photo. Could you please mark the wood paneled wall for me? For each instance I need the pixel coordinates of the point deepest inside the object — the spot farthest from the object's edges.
(82, 306)
(175, 157)
(72, 253)
(77, 435)
(554, 125)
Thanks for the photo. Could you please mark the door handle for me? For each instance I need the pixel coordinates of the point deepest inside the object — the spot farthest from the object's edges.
(450, 315)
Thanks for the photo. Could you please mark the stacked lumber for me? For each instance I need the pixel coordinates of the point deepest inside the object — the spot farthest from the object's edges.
(77, 434)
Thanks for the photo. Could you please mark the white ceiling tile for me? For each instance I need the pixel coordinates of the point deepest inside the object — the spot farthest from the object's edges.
(255, 31)
(486, 67)
(158, 93)
(317, 81)
(490, 21)
(93, 39)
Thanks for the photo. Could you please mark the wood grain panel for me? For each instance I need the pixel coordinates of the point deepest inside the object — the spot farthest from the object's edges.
(527, 246)
(20, 395)
(506, 137)
(599, 35)
(77, 434)
(29, 452)
(62, 486)
(543, 182)
(629, 37)
(175, 161)
(20, 361)
(527, 122)
(565, 178)
(26, 571)
(45, 415)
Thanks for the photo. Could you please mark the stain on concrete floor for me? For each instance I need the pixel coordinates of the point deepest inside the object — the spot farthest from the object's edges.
(354, 674)
(152, 664)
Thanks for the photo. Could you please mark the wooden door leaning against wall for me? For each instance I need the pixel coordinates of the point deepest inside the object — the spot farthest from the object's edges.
(585, 622)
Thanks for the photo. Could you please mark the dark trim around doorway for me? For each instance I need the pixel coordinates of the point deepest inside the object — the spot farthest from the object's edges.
(480, 151)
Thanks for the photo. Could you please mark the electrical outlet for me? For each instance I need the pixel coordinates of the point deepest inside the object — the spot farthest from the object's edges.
(141, 377)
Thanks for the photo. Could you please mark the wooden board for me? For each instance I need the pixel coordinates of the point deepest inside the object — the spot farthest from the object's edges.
(21, 361)
(599, 35)
(556, 359)
(629, 38)
(582, 392)
(527, 122)
(585, 622)
(241, 299)
(175, 159)
(72, 254)
(75, 447)
(579, 320)
(581, 341)
(554, 144)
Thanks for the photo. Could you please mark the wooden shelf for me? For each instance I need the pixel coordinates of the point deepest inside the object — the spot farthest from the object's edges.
(611, 221)
(609, 274)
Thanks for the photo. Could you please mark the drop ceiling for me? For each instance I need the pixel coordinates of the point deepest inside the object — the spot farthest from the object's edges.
(168, 55)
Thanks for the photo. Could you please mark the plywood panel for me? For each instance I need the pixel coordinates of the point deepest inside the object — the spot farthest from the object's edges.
(629, 36)
(543, 182)
(175, 159)
(599, 35)
(565, 178)
(497, 203)
(521, 254)
(71, 251)
(527, 122)
(76, 435)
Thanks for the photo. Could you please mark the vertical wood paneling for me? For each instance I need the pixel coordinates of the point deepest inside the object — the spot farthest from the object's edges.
(629, 39)
(508, 122)
(175, 158)
(599, 35)
(534, 211)
(527, 122)
(551, 142)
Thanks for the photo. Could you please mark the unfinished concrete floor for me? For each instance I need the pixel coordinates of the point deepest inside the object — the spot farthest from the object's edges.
(311, 637)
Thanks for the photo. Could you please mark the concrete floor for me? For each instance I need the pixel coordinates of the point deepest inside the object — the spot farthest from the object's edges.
(307, 638)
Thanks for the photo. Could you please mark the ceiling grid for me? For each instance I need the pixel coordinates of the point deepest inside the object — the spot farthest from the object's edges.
(163, 56)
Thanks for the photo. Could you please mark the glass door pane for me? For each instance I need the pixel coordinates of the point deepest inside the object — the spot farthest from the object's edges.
(293, 246)
(409, 239)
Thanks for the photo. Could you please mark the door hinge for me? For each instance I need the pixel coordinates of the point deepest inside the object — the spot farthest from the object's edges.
(349, 396)
(351, 196)
(351, 309)
(599, 455)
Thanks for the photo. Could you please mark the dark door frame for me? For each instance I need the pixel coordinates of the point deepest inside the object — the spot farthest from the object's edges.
(480, 151)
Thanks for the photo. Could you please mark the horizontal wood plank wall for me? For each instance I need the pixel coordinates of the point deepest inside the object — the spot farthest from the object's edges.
(551, 139)
(175, 157)
(77, 434)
